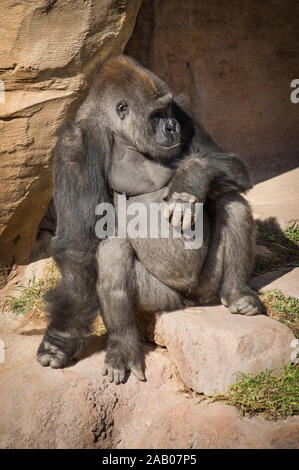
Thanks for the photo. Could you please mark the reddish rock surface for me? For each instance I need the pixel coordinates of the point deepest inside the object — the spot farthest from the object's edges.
(277, 197)
(210, 346)
(77, 408)
(236, 61)
(286, 280)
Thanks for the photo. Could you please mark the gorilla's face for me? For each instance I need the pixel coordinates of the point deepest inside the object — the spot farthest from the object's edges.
(139, 108)
(153, 130)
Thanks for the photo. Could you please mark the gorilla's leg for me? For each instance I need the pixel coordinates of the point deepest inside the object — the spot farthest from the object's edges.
(230, 259)
(116, 291)
(124, 286)
(72, 305)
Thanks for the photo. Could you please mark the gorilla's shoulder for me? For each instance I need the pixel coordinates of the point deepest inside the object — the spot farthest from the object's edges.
(70, 133)
(70, 142)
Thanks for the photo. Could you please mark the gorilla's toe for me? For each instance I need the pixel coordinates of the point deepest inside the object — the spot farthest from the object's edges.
(137, 370)
(114, 375)
(58, 349)
(248, 304)
(120, 359)
(49, 355)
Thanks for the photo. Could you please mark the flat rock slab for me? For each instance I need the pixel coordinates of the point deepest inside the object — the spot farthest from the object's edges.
(276, 197)
(210, 346)
(286, 280)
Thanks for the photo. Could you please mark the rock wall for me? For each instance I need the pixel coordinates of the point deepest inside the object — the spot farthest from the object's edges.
(236, 60)
(48, 51)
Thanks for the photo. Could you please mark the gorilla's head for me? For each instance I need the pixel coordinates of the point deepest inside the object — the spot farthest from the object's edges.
(137, 107)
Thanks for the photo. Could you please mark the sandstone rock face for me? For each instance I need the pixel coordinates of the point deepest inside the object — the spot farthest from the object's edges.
(77, 407)
(210, 346)
(236, 60)
(48, 51)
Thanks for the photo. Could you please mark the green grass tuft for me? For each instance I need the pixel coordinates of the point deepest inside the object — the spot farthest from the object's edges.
(31, 302)
(292, 232)
(31, 296)
(274, 397)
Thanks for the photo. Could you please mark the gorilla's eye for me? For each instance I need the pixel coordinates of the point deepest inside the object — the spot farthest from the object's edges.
(122, 109)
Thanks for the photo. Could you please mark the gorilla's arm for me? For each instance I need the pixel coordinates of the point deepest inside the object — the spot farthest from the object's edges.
(210, 175)
(205, 171)
(81, 160)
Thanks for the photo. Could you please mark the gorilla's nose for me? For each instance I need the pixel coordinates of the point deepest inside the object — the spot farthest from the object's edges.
(171, 125)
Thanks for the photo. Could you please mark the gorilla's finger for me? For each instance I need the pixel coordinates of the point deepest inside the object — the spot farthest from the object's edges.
(167, 212)
(165, 193)
(136, 369)
(185, 197)
(105, 370)
(187, 219)
(194, 217)
(177, 215)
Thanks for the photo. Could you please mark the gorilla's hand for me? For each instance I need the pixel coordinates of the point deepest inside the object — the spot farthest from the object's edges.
(180, 208)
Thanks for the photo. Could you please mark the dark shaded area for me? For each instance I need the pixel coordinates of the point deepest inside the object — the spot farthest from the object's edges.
(283, 245)
(236, 61)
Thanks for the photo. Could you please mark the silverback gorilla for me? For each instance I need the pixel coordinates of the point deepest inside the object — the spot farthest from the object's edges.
(133, 136)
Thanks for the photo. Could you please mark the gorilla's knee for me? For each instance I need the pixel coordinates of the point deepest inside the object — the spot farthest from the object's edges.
(115, 263)
(234, 211)
(234, 203)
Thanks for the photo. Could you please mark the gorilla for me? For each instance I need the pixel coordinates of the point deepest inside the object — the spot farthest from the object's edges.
(133, 136)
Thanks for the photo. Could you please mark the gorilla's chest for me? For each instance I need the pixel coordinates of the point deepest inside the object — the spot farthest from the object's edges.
(133, 174)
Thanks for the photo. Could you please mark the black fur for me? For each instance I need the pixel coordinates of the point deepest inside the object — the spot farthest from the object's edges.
(94, 157)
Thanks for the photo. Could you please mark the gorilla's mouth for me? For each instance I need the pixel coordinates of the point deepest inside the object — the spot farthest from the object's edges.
(171, 147)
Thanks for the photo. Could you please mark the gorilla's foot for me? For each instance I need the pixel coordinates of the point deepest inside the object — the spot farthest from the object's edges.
(121, 358)
(58, 349)
(243, 302)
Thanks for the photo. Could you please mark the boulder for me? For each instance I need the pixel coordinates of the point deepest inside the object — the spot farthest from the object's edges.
(211, 346)
(48, 52)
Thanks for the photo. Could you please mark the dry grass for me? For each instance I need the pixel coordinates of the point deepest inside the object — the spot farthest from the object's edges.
(30, 302)
(283, 309)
